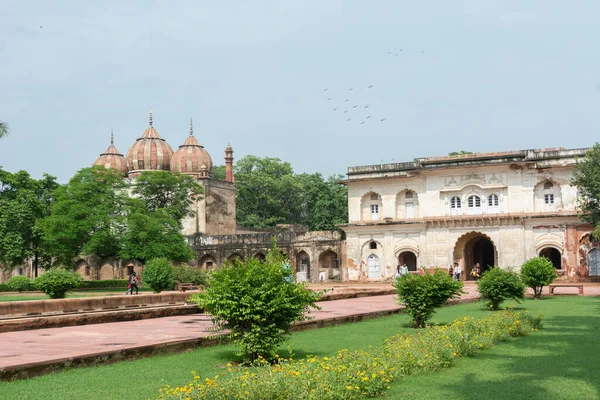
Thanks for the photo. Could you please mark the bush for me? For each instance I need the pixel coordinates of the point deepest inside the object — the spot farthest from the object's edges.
(360, 373)
(20, 284)
(537, 273)
(107, 283)
(5, 288)
(159, 275)
(422, 294)
(497, 285)
(257, 302)
(56, 282)
(187, 274)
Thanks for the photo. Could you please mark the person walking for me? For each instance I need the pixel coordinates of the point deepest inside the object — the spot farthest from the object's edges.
(132, 284)
(457, 271)
(451, 271)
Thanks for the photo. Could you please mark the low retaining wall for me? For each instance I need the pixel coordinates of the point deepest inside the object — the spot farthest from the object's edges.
(61, 306)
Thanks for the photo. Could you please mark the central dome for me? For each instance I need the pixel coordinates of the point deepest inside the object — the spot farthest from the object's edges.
(149, 152)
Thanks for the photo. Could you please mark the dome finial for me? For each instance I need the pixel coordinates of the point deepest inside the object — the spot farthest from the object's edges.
(191, 128)
(112, 137)
(150, 115)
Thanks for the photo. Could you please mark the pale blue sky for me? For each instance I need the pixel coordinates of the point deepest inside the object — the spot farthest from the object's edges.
(494, 75)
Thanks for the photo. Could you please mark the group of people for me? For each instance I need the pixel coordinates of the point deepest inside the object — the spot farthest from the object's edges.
(455, 270)
(401, 270)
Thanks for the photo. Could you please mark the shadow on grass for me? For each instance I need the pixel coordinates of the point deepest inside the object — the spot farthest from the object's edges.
(560, 361)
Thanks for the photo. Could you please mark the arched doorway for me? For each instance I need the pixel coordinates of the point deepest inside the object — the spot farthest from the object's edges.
(302, 267)
(594, 262)
(207, 262)
(235, 257)
(475, 248)
(260, 256)
(553, 255)
(409, 258)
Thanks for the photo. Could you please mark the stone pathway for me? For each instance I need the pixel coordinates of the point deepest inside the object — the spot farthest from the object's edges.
(24, 349)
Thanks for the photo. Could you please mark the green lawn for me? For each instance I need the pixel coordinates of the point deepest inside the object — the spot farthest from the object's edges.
(75, 294)
(560, 361)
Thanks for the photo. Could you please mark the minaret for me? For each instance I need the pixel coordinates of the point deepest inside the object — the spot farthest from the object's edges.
(229, 164)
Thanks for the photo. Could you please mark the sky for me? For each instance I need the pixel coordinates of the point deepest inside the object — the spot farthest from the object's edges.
(472, 75)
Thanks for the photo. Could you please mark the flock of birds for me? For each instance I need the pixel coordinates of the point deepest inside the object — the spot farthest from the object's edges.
(352, 108)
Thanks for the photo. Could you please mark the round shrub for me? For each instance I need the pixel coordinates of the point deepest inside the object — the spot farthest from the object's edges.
(56, 282)
(497, 285)
(159, 275)
(422, 294)
(257, 301)
(20, 284)
(537, 273)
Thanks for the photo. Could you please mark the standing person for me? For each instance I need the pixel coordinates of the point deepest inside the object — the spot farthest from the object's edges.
(451, 271)
(398, 273)
(477, 271)
(132, 284)
(404, 269)
(457, 271)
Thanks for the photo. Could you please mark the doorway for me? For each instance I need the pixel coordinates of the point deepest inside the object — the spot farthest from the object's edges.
(409, 258)
(373, 266)
(553, 255)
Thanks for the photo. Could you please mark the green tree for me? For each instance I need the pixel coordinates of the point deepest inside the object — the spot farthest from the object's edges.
(268, 193)
(170, 192)
(460, 153)
(3, 129)
(325, 202)
(422, 294)
(257, 301)
(537, 273)
(498, 285)
(585, 177)
(24, 202)
(89, 215)
(218, 172)
(156, 234)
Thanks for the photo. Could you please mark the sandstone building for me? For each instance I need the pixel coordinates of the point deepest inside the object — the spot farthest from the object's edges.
(496, 209)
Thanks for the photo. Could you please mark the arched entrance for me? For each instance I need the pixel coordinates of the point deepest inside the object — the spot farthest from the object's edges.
(475, 248)
(302, 267)
(409, 258)
(553, 255)
(373, 267)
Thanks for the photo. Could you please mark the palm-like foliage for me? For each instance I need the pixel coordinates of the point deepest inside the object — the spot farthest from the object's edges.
(3, 129)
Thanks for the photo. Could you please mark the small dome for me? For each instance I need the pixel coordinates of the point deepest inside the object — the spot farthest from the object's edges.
(191, 158)
(149, 152)
(112, 158)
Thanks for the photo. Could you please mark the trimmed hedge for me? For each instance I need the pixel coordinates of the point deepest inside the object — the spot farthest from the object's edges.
(20, 284)
(5, 288)
(108, 283)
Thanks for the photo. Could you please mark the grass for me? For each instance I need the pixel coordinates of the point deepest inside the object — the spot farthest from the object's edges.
(559, 361)
(70, 295)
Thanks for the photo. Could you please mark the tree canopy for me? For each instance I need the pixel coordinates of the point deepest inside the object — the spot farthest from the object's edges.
(585, 177)
(270, 193)
(24, 201)
(3, 129)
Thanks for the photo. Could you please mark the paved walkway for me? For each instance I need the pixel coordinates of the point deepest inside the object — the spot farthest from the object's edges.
(43, 345)
(47, 345)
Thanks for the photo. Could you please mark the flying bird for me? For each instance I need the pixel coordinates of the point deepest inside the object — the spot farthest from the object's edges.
(396, 53)
(348, 119)
(370, 86)
(369, 116)
(381, 120)
(335, 109)
(362, 123)
(355, 106)
(351, 88)
(345, 111)
(346, 99)
(367, 106)
(329, 98)
(421, 51)
(325, 89)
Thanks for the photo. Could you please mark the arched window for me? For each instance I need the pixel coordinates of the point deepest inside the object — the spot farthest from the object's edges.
(374, 196)
(455, 202)
(373, 245)
(548, 185)
(409, 195)
(493, 200)
(474, 201)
